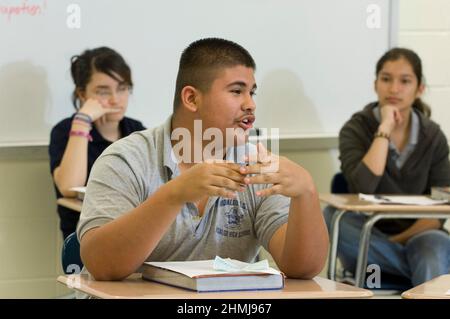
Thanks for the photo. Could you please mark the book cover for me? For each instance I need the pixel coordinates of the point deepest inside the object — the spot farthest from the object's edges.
(202, 277)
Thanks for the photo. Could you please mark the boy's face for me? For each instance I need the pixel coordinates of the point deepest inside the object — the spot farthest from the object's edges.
(229, 101)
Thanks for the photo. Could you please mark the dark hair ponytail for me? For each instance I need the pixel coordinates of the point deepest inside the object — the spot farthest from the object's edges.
(101, 59)
(416, 64)
(422, 107)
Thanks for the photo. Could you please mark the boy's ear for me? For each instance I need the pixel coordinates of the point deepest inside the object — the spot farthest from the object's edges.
(189, 97)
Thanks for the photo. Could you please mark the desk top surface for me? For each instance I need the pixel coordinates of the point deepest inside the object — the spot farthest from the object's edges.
(352, 202)
(437, 288)
(72, 203)
(340, 201)
(137, 288)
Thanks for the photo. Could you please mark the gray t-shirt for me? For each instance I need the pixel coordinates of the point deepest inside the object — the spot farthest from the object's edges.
(133, 168)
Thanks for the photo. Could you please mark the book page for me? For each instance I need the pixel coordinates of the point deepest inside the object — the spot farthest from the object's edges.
(203, 268)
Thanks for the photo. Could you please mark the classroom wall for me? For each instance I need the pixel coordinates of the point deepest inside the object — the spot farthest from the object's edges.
(30, 241)
(424, 26)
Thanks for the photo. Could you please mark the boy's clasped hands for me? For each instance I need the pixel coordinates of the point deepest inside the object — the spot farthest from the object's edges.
(224, 178)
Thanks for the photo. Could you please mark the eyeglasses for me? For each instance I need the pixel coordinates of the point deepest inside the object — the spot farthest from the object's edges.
(106, 93)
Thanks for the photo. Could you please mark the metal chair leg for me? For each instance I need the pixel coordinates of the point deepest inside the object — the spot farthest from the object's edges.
(332, 257)
(364, 250)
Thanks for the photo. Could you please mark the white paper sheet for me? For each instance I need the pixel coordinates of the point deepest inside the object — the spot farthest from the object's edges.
(399, 199)
(80, 189)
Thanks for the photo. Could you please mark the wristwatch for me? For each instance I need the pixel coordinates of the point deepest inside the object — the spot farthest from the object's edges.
(381, 134)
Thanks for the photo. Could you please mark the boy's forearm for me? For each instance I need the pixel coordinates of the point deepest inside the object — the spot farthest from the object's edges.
(116, 249)
(306, 244)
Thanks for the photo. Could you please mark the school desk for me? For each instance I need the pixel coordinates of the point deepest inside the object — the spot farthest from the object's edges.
(436, 288)
(351, 203)
(135, 287)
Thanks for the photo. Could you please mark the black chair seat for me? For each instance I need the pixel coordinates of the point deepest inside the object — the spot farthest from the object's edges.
(393, 282)
(71, 259)
(339, 184)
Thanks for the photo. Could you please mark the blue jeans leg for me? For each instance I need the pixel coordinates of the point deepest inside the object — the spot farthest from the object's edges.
(428, 255)
(389, 256)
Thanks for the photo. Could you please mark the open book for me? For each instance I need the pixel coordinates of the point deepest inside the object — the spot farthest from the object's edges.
(202, 276)
(80, 191)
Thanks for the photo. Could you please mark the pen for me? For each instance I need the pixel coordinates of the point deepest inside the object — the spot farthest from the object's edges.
(382, 197)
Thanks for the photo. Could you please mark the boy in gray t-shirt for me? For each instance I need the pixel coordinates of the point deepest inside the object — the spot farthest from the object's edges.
(167, 194)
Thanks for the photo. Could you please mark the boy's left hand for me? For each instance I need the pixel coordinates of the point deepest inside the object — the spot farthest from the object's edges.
(287, 178)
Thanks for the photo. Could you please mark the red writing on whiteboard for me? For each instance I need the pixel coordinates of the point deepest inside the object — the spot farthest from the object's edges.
(23, 8)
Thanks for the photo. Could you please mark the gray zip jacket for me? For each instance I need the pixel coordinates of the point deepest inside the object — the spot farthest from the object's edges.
(427, 166)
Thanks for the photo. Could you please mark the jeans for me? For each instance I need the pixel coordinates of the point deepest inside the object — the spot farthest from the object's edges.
(423, 257)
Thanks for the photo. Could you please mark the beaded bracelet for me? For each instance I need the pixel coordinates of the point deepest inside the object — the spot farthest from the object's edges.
(83, 117)
(82, 123)
(81, 134)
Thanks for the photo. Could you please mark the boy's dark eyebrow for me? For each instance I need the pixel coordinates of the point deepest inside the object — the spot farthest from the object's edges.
(242, 84)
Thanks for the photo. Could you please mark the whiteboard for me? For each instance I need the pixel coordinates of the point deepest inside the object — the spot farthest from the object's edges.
(315, 58)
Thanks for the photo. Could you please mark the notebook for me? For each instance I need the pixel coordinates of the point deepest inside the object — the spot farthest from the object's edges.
(202, 276)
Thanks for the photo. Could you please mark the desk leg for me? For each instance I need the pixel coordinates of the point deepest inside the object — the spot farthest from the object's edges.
(332, 257)
(363, 251)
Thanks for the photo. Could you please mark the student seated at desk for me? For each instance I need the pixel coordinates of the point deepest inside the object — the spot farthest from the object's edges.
(103, 83)
(393, 147)
(148, 200)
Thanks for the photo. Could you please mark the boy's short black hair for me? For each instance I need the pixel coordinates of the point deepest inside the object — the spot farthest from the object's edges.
(202, 59)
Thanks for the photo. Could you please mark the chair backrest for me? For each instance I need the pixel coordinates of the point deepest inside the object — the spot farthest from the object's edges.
(339, 184)
(70, 258)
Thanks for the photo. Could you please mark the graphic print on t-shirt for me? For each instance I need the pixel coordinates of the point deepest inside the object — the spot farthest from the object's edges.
(234, 212)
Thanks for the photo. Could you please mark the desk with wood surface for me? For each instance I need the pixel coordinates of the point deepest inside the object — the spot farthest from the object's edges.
(436, 288)
(135, 287)
(351, 203)
(72, 203)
